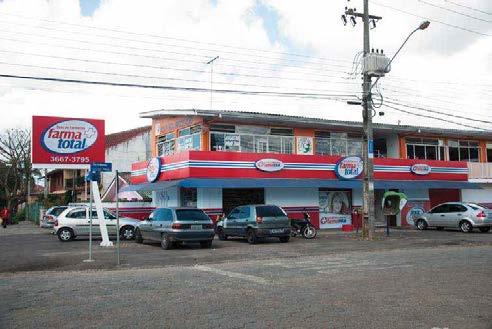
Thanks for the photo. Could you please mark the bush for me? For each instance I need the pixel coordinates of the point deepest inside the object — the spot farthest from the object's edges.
(19, 216)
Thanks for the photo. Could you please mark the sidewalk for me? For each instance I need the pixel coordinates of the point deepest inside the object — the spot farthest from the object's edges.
(24, 227)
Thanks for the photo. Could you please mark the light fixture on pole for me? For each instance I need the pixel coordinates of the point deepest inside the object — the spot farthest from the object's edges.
(211, 63)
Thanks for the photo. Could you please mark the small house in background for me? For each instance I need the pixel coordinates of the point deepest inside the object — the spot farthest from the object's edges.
(122, 149)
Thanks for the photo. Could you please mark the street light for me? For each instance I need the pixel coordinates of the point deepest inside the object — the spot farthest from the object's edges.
(422, 26)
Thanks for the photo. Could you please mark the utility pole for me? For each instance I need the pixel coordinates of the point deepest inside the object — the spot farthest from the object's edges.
(368, 145)
(211, 63)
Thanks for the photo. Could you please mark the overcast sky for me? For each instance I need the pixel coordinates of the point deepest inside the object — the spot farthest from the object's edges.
(286, 46)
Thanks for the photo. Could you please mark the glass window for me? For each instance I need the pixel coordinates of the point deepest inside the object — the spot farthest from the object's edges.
(275, 144)
(188, 197)
(287, 145)
(247, 143)
(184, 132)
(444, 208)
(77, 214)
(419, 152)
(431, 152)
(244, 212)
(489, 155)
(323, 146)
(167, 215)
(232, 142)
(473, 154)
(234, 214)
(217, 141)
(270, 211)
(191, 215)
(109, 215)
(223, 128)
(410, 152)
(454, 154)
(456, 208)
(56, 211)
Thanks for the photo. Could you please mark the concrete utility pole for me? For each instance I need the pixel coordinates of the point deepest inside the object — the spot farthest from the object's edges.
(368, 145)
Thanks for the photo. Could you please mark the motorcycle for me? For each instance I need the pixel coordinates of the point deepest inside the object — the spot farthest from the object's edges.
(303, 227)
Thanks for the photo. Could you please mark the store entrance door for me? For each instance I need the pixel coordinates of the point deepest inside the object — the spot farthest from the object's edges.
(237, 197)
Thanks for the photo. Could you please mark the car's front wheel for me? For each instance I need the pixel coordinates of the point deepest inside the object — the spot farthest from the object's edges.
(65, 234)
(484, 229)
(421, 224)
(466, 226)
(166, 242)
(127, 233)
(251, 236)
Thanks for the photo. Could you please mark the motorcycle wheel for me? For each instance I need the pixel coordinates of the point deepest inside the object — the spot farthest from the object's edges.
(309, 232)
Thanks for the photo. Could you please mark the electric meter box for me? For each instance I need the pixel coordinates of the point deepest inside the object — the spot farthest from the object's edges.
(376, 64)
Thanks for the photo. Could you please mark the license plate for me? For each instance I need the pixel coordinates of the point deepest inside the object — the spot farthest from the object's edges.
(196, 227)
(277, 230)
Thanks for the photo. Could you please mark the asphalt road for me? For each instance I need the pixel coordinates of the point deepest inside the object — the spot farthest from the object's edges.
(26, 248)
(446, 287)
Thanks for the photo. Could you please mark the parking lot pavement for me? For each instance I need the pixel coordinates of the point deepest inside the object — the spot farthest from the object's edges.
(40, 250)
(445, 287)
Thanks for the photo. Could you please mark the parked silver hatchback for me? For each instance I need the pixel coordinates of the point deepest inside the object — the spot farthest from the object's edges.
(465, 216)
(171, 226)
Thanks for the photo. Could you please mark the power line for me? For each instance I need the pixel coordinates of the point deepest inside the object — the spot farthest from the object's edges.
(167, 68)
(190, 89)
(468, 7)
(157, 77)
(154, 43)
(173, 38)
(201, 62)
(454, 11)
(398, 102)
(434, 118)
(432, 20)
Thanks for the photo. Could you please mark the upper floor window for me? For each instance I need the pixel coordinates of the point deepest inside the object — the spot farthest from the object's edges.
(166, 144)
(342, 144)
(463, 151)
(188, 139)
(489, 152)
(423, 148)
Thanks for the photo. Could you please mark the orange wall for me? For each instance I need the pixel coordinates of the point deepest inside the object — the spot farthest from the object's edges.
(162, 126)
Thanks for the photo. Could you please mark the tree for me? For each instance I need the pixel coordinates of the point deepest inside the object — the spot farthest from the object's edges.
(15, 166)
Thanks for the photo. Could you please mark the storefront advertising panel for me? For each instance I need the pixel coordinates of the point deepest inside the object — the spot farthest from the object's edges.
(334, 209)
(67, 142)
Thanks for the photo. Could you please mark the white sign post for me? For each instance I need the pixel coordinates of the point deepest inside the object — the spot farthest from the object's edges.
(100, 215)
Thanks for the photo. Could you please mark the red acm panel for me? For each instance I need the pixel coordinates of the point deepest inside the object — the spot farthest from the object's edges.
(67, 142)
(221, 165)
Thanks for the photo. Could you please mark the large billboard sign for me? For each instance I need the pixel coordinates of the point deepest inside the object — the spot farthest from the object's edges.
(67, 142)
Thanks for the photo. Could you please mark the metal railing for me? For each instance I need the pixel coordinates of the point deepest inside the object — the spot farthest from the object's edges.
(231, 142)
(478, 170)
(338, 146)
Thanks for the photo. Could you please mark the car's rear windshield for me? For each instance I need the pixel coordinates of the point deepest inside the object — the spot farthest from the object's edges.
(191, 215)
(269, 211)
(475, 206)
(57, 211)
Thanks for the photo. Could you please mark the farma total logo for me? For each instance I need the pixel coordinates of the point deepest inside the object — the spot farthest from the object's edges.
(69, 136)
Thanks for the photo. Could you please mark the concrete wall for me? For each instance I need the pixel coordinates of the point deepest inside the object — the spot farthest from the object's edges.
(123, 155)
(480, 196)
(393, 146)
(166, 198)
(292, 197)
(209, 198)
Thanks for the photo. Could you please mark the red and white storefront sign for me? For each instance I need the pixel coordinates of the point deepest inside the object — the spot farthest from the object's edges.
(207, 164)
(67, 142)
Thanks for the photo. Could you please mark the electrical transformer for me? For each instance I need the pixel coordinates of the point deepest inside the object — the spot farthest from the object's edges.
(376, 64)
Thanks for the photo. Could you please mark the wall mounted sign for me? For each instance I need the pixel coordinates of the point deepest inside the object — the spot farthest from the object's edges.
(269, 165)
(67, 142)
(420, 169)
(153, 169)
(304, 145)
(413, 214)
(349, 167)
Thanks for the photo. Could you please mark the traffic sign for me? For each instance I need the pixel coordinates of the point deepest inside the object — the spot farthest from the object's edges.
(101, 167)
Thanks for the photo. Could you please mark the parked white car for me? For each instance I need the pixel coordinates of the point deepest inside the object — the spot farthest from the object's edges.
(74, 222)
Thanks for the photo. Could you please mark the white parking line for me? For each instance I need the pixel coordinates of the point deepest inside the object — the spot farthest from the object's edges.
(235, 275)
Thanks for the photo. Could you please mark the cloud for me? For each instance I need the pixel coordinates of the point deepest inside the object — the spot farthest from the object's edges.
(260, 35)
